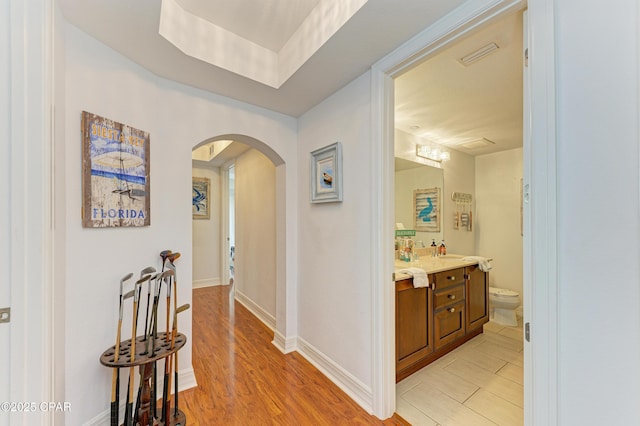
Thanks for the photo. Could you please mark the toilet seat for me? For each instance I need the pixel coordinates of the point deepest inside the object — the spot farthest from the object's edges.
(502, 292)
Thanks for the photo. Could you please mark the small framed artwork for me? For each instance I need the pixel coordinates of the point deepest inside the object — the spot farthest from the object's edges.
(326, 174)
(200, 198)
(426, 205)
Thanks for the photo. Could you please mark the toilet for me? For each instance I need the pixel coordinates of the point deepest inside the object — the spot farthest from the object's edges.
(503, 304)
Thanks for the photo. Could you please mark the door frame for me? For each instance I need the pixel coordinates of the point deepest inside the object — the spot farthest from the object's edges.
(31, 257)
(539, 245)
(224, 215)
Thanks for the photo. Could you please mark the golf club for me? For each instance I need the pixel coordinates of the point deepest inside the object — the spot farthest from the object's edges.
(136, 296)
(146, 271)
(166, 403)
(115, 381)
(173, 339)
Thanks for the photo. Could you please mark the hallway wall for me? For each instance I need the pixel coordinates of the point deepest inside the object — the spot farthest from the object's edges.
(207, 242)
(255, 214)
(177, 117)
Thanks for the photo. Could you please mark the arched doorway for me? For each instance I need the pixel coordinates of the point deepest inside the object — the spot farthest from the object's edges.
(238, 145)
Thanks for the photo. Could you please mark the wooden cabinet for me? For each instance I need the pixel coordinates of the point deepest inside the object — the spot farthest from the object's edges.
(434, 320)
(477, 298)
(414, 335)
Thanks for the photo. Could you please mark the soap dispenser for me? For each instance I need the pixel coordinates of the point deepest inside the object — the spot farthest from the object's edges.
(434, 248)
(443, 249)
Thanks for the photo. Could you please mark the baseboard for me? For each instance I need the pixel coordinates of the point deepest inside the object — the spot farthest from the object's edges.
(208, 282)
(353, 387)
(187, 380)
(256, 310)
(283, 344)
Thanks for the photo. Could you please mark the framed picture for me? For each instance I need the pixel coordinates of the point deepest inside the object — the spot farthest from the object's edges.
(326, 174)
(115, 174)
(426, 207)
(200, 198)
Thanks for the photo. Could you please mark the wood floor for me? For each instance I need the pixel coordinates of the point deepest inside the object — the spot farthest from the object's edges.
(244, 380)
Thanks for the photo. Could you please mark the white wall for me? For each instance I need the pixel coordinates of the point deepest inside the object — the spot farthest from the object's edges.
(255, 224)
(178, 118)
(459, 176)
(598, 211)
(206, 235)
(497, 219)
(334, 293)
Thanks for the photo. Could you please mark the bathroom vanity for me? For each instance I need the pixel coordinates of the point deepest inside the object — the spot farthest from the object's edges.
(432, 321)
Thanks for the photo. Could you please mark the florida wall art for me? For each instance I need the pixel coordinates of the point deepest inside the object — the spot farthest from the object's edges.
(115, 174)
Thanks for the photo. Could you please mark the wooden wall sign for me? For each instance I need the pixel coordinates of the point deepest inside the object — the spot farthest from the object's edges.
(115, 174)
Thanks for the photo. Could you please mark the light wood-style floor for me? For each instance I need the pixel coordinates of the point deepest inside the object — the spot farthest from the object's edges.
(244, 380)
(480, 383)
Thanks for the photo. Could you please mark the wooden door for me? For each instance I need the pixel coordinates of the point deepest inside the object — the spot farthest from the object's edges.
(477, 297)
(414, 335)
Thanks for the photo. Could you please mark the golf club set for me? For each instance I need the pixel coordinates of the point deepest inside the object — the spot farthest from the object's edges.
(147, 349)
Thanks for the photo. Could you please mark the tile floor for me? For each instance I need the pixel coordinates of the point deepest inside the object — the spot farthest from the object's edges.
(480, 383)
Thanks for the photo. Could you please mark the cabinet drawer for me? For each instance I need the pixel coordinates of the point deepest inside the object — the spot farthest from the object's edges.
(449, 324)
(449, 278)
(448, 296)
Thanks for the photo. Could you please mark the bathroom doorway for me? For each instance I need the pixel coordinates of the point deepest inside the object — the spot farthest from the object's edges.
(539, 195)
(464, 103)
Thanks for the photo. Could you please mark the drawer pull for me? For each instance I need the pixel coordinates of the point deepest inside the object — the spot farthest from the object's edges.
(451, 278)
(452, 310)
(452, 296)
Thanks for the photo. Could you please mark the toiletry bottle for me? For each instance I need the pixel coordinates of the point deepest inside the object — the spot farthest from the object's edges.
(443, 249)
(434, 248)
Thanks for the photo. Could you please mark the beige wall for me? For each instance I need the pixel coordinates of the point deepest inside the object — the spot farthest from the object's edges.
(497, 221)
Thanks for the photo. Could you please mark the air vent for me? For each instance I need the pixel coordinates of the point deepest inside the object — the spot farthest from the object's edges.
(478, 54)
(480, 143)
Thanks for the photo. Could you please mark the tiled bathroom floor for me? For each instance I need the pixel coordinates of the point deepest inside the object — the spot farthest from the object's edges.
(480, 383)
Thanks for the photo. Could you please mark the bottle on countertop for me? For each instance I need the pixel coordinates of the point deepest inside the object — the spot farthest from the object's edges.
(434, 248)
(443, 249)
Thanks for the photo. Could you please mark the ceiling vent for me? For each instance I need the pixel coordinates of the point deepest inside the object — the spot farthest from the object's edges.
(480, 143)
(478, 54)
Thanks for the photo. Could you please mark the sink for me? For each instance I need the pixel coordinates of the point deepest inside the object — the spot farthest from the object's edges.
(451, 256)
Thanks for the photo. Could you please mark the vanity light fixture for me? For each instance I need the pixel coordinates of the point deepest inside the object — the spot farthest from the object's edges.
(432, 153)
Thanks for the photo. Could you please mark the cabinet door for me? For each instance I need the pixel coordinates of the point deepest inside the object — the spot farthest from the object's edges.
(414, 336)
(449, 324)
(477, 297)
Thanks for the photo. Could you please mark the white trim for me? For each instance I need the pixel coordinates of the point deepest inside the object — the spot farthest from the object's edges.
(284, 344)
(264, 316)
(353, 387)
(224, 221)
(463, 19)
(187, 380)
(542, 390)
(31, 207)
(207, 282)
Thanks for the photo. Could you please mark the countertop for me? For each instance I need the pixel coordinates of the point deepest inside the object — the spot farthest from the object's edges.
(433, 264)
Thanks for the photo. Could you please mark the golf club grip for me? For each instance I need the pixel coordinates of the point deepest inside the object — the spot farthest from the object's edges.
(165, 391)
(176, 394)
(127, 414)
(114, 413)
(128, 420)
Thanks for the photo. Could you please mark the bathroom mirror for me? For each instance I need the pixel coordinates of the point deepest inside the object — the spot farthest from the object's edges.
(410, 176)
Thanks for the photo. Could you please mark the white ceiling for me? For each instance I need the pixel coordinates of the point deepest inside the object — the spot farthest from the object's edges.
(269, 23)
(440, 100)
(453, 104)
(379, 26)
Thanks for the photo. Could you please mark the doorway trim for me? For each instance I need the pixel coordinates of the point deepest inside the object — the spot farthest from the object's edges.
(539, 253)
